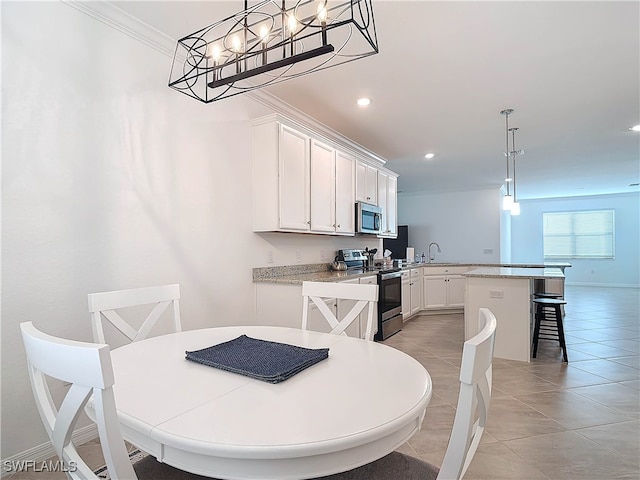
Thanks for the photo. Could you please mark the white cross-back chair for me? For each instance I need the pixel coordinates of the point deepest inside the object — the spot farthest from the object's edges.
(468, 424)
(87, 368)
(104, 305)
(363, 295)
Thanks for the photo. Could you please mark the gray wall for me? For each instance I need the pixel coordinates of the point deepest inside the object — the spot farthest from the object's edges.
(466, 225)
(622, 271)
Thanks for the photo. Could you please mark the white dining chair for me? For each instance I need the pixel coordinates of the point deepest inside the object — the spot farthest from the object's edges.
(87, 368)
(363, 295)
(468, 425)
(104, 305)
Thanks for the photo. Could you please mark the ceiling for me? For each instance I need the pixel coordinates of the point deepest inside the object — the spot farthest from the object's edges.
(570, 71)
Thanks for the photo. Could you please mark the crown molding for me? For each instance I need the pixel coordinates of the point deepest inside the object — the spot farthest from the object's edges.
(107, 13)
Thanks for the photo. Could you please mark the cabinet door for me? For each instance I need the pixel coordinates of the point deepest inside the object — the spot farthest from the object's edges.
(371, 280)
(372, 185)
(344, 306)
(392, 207)
(416, 291)
(366, 183)
(382, 199)
(406, 295)
(345, 194)
(434, 291)
(294, 180)
(315, 319)
(323, 180)
(456, 286)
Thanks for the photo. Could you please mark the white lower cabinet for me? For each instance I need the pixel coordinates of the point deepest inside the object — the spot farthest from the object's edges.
(370, 280)
(443, 287)
(406, 294)
(281, 305)
(411, 292)
(416, 290)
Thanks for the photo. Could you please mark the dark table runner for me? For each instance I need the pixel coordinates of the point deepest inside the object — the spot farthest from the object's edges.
(264, 360)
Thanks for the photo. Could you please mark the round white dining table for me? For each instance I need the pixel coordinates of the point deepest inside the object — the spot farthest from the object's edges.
(359, 404)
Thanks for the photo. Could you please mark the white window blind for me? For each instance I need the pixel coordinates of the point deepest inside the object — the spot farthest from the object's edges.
(588, 234)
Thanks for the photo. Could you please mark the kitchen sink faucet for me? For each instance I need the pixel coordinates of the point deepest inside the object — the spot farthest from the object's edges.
(433, 257)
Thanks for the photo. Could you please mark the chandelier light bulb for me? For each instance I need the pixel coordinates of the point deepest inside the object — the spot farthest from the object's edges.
(292, 23)
(236, 44)
(213, 52)
(322, 12)
(264, 33)
(515, 208)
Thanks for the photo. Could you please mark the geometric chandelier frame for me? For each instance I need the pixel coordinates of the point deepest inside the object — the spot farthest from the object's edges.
(271, 42)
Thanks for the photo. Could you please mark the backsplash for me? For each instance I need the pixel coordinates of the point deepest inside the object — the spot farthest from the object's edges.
(270, 272)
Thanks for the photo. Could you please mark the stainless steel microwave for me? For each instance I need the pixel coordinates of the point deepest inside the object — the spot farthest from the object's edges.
(368, 218)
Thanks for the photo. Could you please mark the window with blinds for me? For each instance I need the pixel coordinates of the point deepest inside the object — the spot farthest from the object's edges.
(588, 234)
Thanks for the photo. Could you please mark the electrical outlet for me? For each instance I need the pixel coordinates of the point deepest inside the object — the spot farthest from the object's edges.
(323, 255)
(269, 256)
(298, 255)
(496, 294)
(488, 251)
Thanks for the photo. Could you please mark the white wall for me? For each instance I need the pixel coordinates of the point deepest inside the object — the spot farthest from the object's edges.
(464, 224)
(622, 271)
(111, 180)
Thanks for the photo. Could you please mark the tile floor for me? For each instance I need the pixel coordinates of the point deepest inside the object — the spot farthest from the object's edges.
(548, 420)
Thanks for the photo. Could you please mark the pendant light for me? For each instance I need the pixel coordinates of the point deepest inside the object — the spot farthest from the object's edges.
(507, 200)
(515, 206)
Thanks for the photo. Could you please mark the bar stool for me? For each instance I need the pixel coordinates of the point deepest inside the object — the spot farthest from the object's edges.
(547, 295)
(548, 323)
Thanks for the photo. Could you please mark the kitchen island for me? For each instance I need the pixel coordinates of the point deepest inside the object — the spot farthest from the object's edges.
(506, 291)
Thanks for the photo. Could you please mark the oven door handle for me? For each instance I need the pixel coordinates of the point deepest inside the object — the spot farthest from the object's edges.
(386, 276)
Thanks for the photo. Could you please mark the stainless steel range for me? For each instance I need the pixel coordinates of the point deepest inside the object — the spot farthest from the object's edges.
(389, 289)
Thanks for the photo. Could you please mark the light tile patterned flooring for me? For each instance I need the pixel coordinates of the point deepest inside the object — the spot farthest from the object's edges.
(548, 420)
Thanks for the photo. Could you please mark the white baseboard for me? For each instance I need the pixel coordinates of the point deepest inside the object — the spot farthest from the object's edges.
(42, 452)
(603, 285)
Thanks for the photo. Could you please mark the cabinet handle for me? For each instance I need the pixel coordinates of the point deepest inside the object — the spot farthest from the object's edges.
(338, 225)
(308, 222)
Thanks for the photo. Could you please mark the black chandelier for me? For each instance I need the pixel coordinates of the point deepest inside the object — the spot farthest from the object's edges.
(271, 42)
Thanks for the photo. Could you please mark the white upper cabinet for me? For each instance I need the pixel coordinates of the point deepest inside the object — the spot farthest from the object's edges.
(388, 201)
(323, 187)
(294, 180)
(345, 193)
(303, 182)
(366, 183)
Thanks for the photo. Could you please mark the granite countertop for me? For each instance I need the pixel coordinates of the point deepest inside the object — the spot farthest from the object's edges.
(511, 272)
(321, 272)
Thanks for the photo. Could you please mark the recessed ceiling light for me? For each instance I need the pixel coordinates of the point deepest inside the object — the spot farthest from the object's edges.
(635, 128)
(429, 156)
(364, 102)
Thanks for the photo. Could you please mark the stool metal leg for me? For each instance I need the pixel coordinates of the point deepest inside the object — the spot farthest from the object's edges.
(561, 332)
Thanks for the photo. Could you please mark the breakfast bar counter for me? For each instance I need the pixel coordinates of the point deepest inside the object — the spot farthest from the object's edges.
(507, 292)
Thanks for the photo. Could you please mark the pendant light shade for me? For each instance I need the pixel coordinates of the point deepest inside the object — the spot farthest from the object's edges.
(509, 202)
